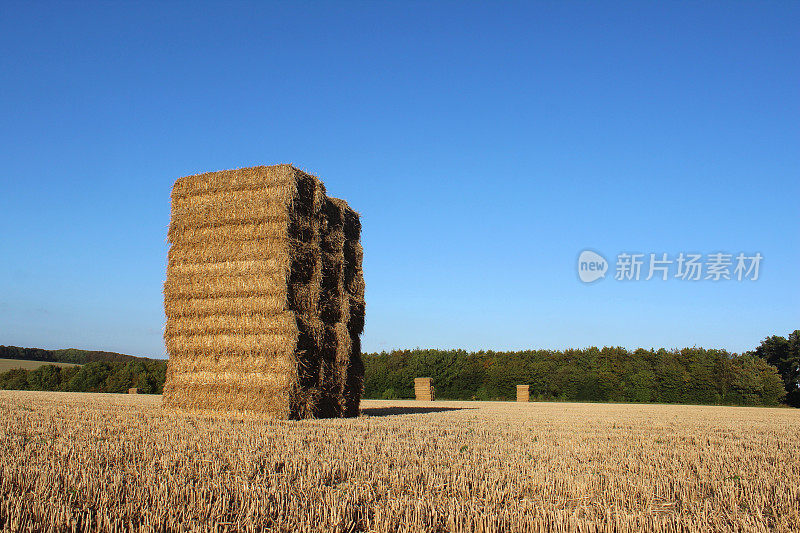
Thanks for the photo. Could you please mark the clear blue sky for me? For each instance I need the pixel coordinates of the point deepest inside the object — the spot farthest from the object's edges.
(485, 146)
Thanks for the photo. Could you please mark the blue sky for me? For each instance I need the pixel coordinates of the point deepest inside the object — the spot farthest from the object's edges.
(485, 145)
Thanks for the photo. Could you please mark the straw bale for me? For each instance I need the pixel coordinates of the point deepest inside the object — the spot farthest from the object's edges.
(357, 311)
(177, 287)
(223, 251)
(232, 180)
(240, 200)
(220, 323)
(254, 365)
(523, 393)
(353, 273)
(335, 302)
(354, 386)
(236, 305)
(335, 351)
(354, 254)
(352, 223)
(208, 345)
(423, 389)
(227, 212)
(268, 267)
(245, 231)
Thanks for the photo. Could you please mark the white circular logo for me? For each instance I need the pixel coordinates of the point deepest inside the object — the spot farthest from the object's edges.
(591, 266)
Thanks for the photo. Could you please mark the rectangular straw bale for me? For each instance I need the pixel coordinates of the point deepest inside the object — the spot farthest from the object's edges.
(523, 393)
(354, 385)
(230, 180)
(336, 348)
(423, 389)
(256, 296)
(212, 286)
(222, 323)
(226, 232)
(357, 309)
(232, 305)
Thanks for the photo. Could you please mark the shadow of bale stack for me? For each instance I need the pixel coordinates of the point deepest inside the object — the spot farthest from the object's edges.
(264, 295)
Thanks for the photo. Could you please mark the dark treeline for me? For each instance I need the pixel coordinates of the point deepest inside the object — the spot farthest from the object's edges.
(98, 376)
(68, 355)
(691, 375)
(765, 376)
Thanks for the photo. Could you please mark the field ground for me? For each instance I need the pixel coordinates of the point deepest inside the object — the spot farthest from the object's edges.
(105, 462)
(8, 364)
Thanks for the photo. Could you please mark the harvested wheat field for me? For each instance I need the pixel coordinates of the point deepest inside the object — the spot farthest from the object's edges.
(92, 462)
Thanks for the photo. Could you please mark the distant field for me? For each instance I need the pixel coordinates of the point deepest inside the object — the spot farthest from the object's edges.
(8, 364)
(109, 462)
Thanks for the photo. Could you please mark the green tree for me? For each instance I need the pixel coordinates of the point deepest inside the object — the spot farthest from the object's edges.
(389, 394)
(784, 354)
(90, 377)
(46, 377)
(755, 382)
(14, 379)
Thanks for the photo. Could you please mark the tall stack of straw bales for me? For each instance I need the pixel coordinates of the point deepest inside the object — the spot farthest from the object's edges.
(264, 295)
(424, 390)
(523, 393)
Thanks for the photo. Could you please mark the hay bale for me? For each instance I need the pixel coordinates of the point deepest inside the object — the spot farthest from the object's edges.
(353, 289)
(133, 390)
(523, 393)
(424, 390)
(262, 273)
(354, 387)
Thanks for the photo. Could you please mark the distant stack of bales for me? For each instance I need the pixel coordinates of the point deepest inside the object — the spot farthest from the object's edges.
(424, 389)
(523, 393)
(264, 295)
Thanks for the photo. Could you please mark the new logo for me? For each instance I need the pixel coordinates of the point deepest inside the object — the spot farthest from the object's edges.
(591, 266)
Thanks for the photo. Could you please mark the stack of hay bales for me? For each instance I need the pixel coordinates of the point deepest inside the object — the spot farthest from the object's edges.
(264, 295)
(523, 393)
(424, 390)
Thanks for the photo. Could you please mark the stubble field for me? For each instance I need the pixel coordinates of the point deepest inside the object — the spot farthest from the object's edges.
(104, 462)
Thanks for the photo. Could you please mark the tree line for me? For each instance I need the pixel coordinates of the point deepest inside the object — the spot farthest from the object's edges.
(147, 375)
(765, 376)
(67, 355)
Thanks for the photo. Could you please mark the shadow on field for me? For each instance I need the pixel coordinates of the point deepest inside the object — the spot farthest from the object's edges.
(390, 411)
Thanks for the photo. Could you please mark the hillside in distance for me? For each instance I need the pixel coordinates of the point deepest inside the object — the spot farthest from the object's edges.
(67, 355)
